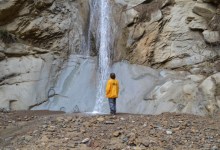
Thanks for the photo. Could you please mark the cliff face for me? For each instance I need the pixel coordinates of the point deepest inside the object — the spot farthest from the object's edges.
(35, 39)
(180, 35)
(178, 40)
(172, 34)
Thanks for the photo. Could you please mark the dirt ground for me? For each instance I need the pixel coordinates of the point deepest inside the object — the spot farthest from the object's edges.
(37, 130)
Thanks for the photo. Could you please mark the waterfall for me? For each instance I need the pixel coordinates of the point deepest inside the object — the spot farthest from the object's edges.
(105, 39)
(76, 86)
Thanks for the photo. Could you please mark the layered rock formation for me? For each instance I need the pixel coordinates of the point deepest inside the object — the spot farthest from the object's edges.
(36, 37)
(173, 47)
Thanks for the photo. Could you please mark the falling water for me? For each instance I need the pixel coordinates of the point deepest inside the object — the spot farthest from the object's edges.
(104, 43)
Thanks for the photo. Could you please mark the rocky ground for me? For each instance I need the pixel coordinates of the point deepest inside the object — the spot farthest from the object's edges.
(55, 130)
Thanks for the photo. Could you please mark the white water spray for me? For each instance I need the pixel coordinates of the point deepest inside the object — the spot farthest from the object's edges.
(105, 44)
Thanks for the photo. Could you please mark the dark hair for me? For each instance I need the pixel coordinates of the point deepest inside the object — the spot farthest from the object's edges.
(112, 75)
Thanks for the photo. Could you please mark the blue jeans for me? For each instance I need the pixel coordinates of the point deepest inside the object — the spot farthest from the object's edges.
(112, 105)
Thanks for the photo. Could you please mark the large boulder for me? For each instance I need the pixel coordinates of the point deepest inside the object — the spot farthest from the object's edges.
(24, 81)
(212, 37)
(205, 10)
(40, 4)
(211, 91)
(198, 24)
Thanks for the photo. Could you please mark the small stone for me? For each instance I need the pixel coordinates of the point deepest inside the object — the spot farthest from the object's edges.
(59, 119)
(116, 133)
(122, 119)
(169, 132)
(52, 129)
(214, 148)
(71, 146)
(44, 126)
(43, 144)
(83, 131)
(35, 131)
(28, 138)
(85, 140)
(102, 134)
(109, 122)
(100, 119)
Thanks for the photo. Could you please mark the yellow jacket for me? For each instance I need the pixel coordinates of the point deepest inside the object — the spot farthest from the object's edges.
(112, 88)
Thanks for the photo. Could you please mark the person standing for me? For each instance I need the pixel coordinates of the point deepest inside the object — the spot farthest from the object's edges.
(112, 89)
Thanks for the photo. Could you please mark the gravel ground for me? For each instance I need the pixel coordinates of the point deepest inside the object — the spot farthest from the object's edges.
(24, 130)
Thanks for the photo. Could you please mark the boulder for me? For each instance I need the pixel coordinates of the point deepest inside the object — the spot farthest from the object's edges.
(205, 10)
(130, 16)
(24, 81)
(167, 2)
(40, 4)
(198, 24)
(156, 16)
(210, 89)
(212, 37)
(196, 78)
(138, 32)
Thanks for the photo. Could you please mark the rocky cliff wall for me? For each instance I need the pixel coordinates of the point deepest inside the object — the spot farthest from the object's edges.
(35, 39)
